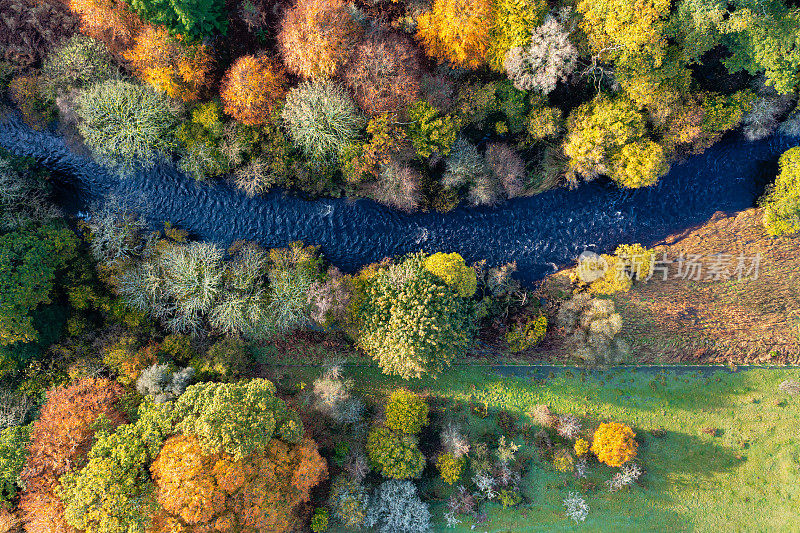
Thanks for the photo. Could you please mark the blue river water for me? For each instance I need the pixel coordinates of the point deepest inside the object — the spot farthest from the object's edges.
(540, 232)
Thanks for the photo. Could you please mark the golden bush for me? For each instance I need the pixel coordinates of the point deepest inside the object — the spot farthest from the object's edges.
(614, 444)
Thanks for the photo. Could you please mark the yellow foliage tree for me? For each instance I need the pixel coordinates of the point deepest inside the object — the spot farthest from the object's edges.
(170, 65)
(452, 269)
(457, 31)
(213, 492)
(614, 444)
(252, 88)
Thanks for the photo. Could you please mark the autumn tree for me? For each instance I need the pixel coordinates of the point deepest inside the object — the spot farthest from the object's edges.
(384, 73)
(782, 201)
(252, 89)
(59, 443)
(514, 21)
(259, 492)
(171, 65)
(111, 22)
(457, 31)
(317, 36)
(608, 137)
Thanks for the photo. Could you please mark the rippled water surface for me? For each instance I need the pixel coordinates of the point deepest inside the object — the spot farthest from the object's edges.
(538, 233)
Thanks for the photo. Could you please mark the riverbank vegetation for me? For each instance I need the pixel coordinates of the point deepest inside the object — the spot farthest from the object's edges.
(418, 105)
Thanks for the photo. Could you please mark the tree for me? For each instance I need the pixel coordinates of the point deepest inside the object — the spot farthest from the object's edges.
(236, 418)
(189, 18)
(608, 136)
(384, 73)
(411, 322)
(549, 58)
(457, 31)
(321, 118)
(78, 63)
(30, 258)
(452, 269)
(259, 492)
(393, 454)
(782, 202)
(109, 21)
(406, 412)
(429, 131)
(252, 89)
(13, 452)
(60, 441)
(171, 65)
(514, 20)
(126, 125)
(765, 37)
(317, 36)
(395, 507)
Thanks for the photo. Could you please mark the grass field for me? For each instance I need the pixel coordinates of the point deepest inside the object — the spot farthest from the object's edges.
(743, 478)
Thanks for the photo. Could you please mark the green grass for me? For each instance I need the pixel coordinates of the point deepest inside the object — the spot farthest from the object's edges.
(742, 479)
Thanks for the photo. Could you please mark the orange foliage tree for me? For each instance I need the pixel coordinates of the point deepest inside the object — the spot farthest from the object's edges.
(109, 21)
(213, 492)
(179, 69)
(317, 36)
(60, 441)
(457, 31)
(384, 73)
(252, 88)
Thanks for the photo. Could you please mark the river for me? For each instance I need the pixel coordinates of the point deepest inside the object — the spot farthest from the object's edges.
(540, 232)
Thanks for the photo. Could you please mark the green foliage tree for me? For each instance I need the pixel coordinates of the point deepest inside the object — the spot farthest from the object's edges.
(429, 131)
(394, 455)
(190, 18)
(13, 452)
(236, 418)
(764, 36)
(79, 62)
(406, 412)
(514, 20)
(452, 269)
(30, 258)
(782, 201)
(411, 322)
(125, 124)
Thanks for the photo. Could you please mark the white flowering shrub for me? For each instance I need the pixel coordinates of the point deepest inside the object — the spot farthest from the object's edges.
(576, 507)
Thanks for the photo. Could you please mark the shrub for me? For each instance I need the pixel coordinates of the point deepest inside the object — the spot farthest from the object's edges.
(172, 66)
(321, 118)
(13, 452)
(258, 492)
(406, 412)
(127, 358)
(394, 455)
(398, 186)
(723, 113)
(524, 336)
(514, 20)
(507, 167)
(319, 522)
(125, 124)
(457, 31)
(163, 384)
(576, 506)
(627, 476)
(348, 502)
(430, 133)
(763, 118)
(568, 426)
(384, 73)
(549, 58)
(235, 418)
(228, 359)
(252, 89)
(395, 507)
(614, 444)
(28, 93)
(544, 123)
(450, 467)
(542, 415)
(59, 441)
(581, 447)
(464, 166)
(78, 63)
(781, 203)
(190, 18)
(452, 269)
(593, 326)
(563, 460)
(411, 323)
(317, 36)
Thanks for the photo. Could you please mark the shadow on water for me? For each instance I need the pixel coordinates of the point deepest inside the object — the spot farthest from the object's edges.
(539, 232)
